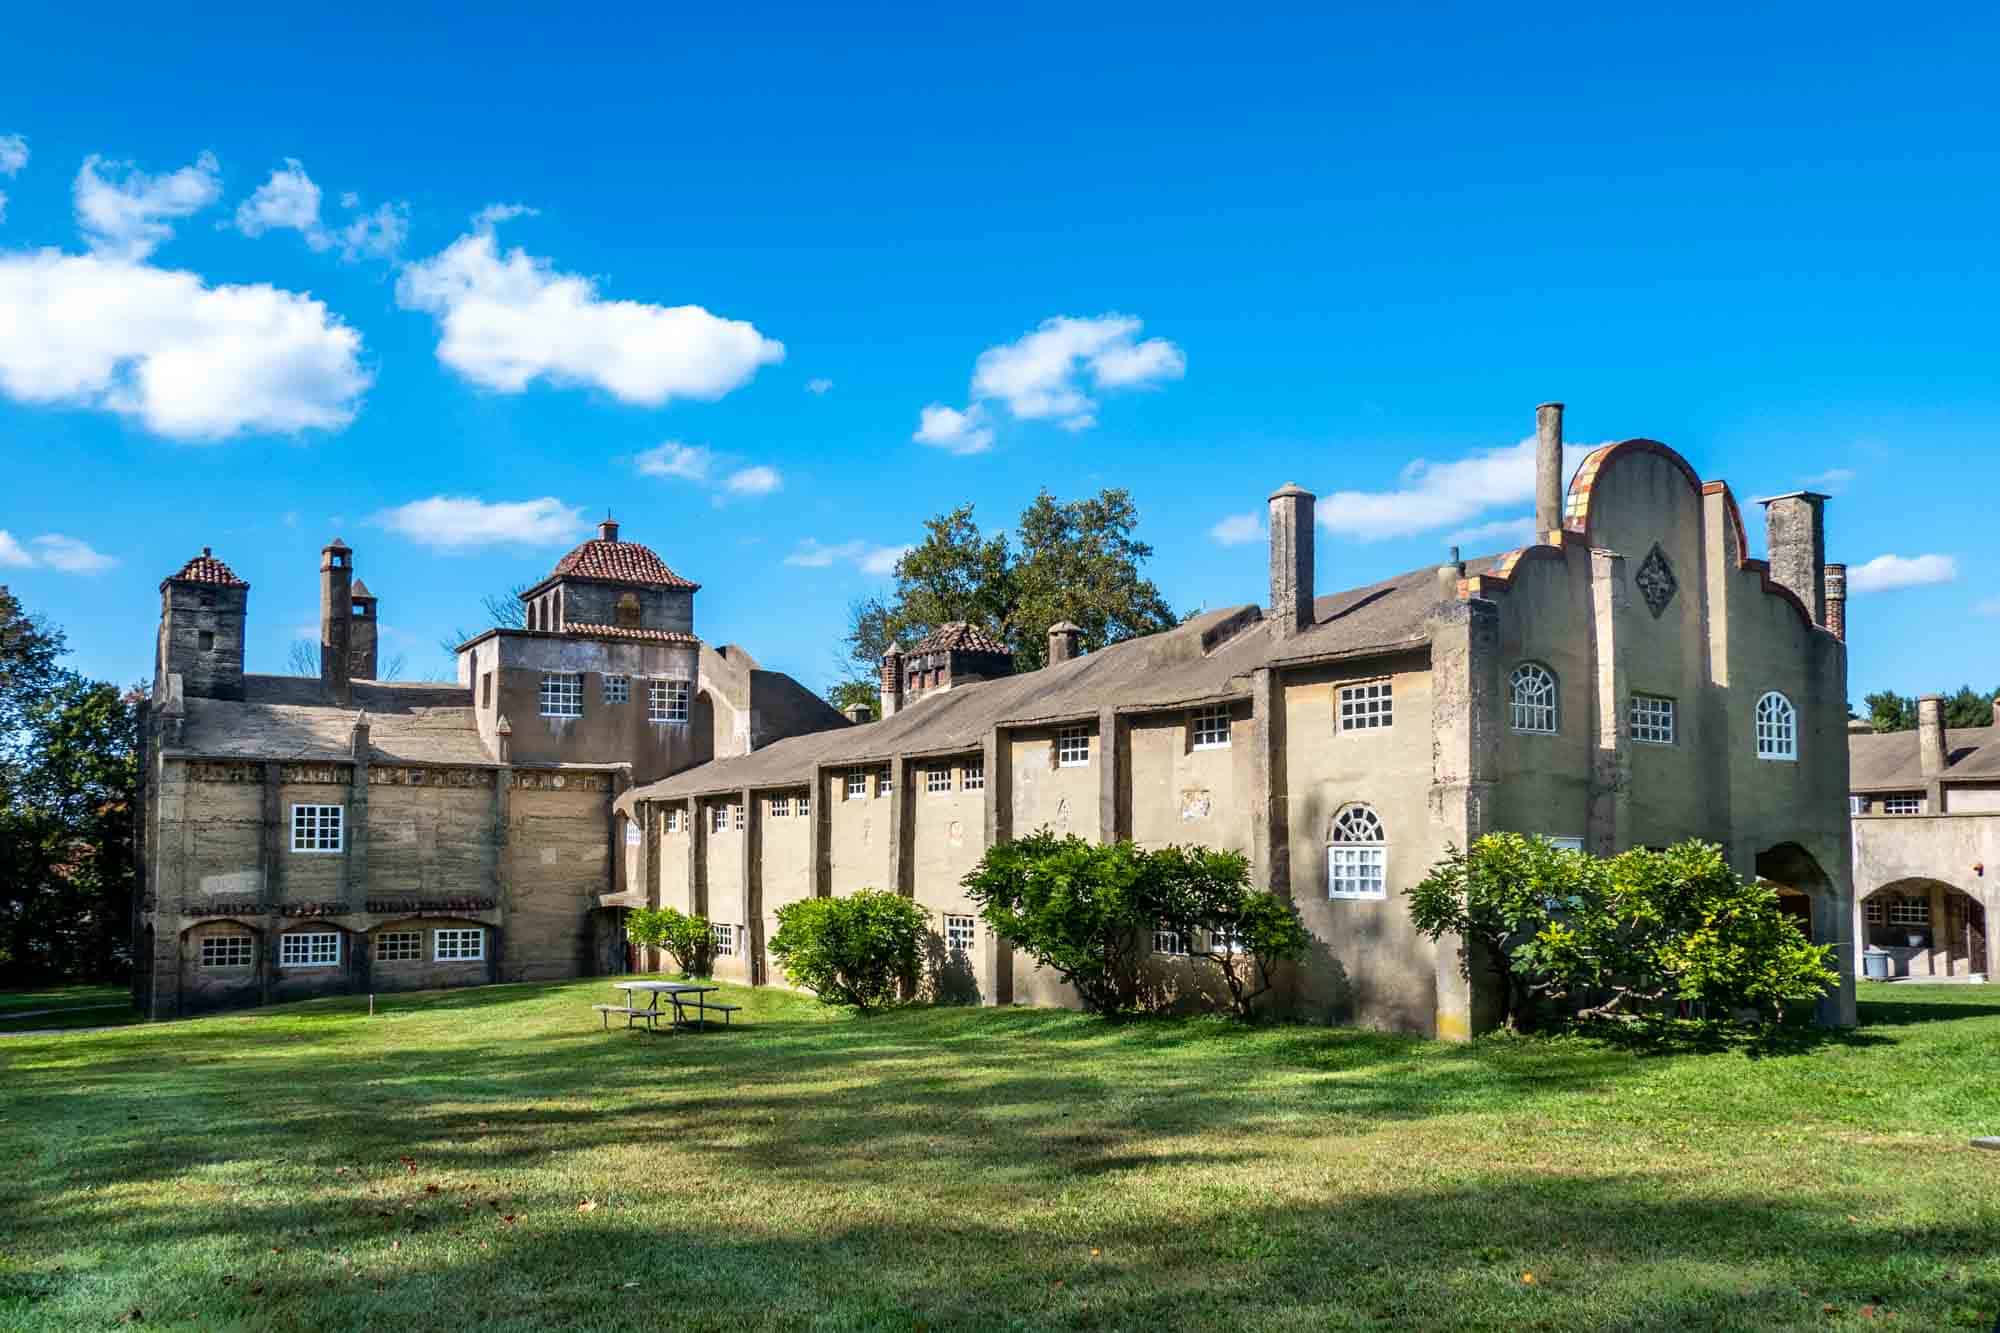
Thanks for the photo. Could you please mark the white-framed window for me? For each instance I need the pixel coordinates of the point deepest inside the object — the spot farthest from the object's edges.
(1208, 728)
(458, 945)
(857, 786)
(972, 776)
(1871, 911)
(667, 701)
(1857, 805)
(399, 946)
(1910, 912)
(883, 783)
(1366, 706)
(1903, 803)
(781, 807)
(309, 948)
(228, 950)
(736, 815)
(1652, 719)
(1567, 842)
(562, 694)
(1777, 727)
(937, 778)
(1224, 942)
(1357, 855)
(318, 829)
(673, 819)
(803, 804)
(960, 932)
(1073, 747)
(1531, 699)
(1170, 943)
(718, 818)
(723, 937)
(617, 689)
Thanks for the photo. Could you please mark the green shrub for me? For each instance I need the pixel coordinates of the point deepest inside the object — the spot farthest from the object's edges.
(863, 950)
(1244, 933)
(682, 937)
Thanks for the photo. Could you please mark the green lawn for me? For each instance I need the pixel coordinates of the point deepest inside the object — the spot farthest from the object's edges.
(490, 1158)
(55, 1007)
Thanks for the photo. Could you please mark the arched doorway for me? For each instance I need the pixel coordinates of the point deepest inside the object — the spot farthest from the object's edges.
(1809, 895)
(1927, 927)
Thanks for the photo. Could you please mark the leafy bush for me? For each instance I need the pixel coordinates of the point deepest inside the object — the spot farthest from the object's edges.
(682, 937)
(1244, 933)
(863, 950)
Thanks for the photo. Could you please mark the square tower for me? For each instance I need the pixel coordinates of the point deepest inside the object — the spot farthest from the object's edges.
(202, 613)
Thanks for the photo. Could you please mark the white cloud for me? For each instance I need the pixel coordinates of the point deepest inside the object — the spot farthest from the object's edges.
(1886, 572)
(376, 235)
(126, 215)
(494, 214)
(958, 432)
(691, 462)
(1502, 534)
(1238, 530)
(462, 523)
(52, 550)
(12, 553)
(188, 361)
(757, 480)
(869, 559)
(13, 154)
(1439, 495)
(819, 385)
(1832, 478)
(508, 319)
(290, 200)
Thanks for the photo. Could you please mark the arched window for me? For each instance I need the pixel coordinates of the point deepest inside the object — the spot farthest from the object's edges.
(1777, 727)
(1531, 698)
(1357, 855)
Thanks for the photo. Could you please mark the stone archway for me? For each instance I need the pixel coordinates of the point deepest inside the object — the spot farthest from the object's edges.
(1810, 895)
(1928, 928)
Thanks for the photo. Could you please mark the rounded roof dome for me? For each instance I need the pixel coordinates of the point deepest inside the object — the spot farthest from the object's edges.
(618, 562)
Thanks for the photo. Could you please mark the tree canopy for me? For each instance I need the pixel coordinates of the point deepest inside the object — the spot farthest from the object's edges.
(1964, 707)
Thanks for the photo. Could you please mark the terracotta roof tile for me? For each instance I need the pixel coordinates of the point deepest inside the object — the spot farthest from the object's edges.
(630, 632)
(960, 637)
(620, 562)
(205, 568)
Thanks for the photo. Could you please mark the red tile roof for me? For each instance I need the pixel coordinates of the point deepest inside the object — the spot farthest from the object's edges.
(630, 632)
(959, 637)
(620, 562)
(205, 568)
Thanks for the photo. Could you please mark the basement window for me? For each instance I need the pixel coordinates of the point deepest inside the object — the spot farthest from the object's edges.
(781, 807)
(1367, 706)
(458, 946)
(227, 951)
(857, 786)
(309, 949)
(937, 778)
(318, 829)
(562, 694)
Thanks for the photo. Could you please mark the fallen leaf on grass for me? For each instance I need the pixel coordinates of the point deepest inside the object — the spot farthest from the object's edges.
(1527, 1279)
(506, 1217)
(623, 1286)
(587, 1206)
(395, 1244)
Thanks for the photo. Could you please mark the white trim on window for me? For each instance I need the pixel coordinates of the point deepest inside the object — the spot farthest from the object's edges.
(1651, 719)
(1073, 747)
(1357, 855)
(1169, 943)
(1563, 841)
(1208, 728)
(1532, 699)
(736, 815)
(615, 689)
(561, 694)
(1777, 728)
(398, 946)
(781, 807)
(1910, 912)
(960, 934)
(718, 818)
(1871, 911)
(319, 830)
(884, 782)
(857, 785)
(937, 778)
(1367, 705)
(228, 950)
(458, 944)
(972, 777)
(1857, 805)
(1904, 803)
(667, 701)
(802, 804)
(314, 948)
(722, 937)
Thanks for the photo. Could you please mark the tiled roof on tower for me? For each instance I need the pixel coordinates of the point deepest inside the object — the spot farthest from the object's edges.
(205, 568)
(959, 637)
(605, 557)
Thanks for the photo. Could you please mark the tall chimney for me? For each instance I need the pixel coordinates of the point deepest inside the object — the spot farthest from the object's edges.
(1932, 744)
(892, 681)
(1291, 560)
(336, 608)
(1065, 641)
(362, 652)
(1795, 536)
(1836, 600)
(1548, 469)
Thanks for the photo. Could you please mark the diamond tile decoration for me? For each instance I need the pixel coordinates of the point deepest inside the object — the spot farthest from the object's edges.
(1656, 581)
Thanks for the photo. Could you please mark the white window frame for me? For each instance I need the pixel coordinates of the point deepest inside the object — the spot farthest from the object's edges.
(1568, 842)
(736, 817)
(668, 701)
(1367, 705)
(937, 778)
(241, 950)
(722, 939)
(1905, 803)
(1910, 912)
(1208, 728)
(1872, 913)
(673, 819)
(1073, 747)
(398, 946)
(1357, 856)
(972, 776)
(1777, 722)
(1534, 705)
(314, 822)
(803, 804)
(884, 782)
(615, 688)
(561, 694)
(961, 935)
(857, 784)
(308, 948)
(718, 818)
(781, 807)
(1169, 944)
(1652, 719)
(1857, 805)
(458, 944)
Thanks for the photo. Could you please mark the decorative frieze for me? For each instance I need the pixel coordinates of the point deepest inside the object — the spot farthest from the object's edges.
(214, 771)
(537, 780)
(388, 775)
(226, 907)
(430, 906)
(321, 775)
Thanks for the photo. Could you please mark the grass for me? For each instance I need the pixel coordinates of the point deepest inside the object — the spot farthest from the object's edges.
(57, 1007)
(490, 1157)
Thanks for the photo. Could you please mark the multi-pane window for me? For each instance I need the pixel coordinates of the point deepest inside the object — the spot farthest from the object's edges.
(1224, 941)
(674, 820)
(1857, 805)
(1531, 698)
(617, 689)
(1169, 942)
(227, 951)
(1209, 728)
(1871, 911)
(667, 701)
(857, 786)
(458, 946)
(937, 778)
(1910, 912)
(1777, 727)
(1073, 747)
(736, 816)
(718, 818)
(781, 807)
(309, 949)
(883, 785)
(399, 946)
(723, 937)
(804, 804)
(1357, 856)
(1366, 705)
(562, 694)
(1904, 803)
(959, 934)
(972, 777)
(1567, 842)
(317, 828)
(1652, 719)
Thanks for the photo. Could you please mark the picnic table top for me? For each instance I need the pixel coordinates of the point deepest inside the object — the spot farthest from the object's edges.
(664, 987)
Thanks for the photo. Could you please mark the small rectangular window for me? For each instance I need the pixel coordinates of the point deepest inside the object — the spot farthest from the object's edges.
(937, 778)
(205, 640)
(1170, 943)
(972, 777)
(1356, 871)
(1209, 728)
(959, 934)
(736, 816)
(1872, 911)
(562, 694)
(667, 701)
(1564, 841)
(781, 807)
(458, 946)
(1366, 706)
(673, 820)
(309, 949)
(884, 783)
(803, 804)
(1857, 805)
(227, 951)
(617, 689)
(1652, 719)
(857, 786)
(718, 818)
(318, 829)
(1910, 912)
(486, 690)
(399, 946)
(724, 939)
(1073, 747)
(1904, 803)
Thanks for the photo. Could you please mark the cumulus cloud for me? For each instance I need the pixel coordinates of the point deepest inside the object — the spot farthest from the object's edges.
(186, 360)
(1886, 572)
(757, 480)
(375, 235)
(508, 318)
(954, 431)
(13, 157)
(462, 523)
(290, 200)
(1238, 530)
(52, 550)
(126, 214)
(690, 462)
(13, 555)
(1432, 495)
(868, 558)
(1502, 534)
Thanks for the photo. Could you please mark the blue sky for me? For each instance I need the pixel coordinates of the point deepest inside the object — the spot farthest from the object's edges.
(754, 248)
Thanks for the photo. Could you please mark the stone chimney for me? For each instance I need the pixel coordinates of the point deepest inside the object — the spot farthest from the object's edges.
(357, 739)
(361, 656)
(1291, 560)
(1836, 601)
(1448, 575)
(1795, 535)
(336, 609)
(1933, 748)
(1548, 469)
(859, 713)
(1065, 642)
(892, 681)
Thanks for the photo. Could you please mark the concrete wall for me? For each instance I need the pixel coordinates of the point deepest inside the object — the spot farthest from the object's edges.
(557, 863)
(727, 888)
(1178, 794)
(858, 834)
(1062, 800)
(1915, 852)
(606, 733)
(947, 838)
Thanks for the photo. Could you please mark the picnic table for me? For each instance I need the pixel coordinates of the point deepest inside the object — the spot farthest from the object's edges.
(682, 996)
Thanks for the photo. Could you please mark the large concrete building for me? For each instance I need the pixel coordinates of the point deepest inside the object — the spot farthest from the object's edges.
(1632, 679)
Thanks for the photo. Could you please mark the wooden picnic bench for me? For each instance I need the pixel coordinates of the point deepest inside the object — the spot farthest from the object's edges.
(690, 1005)
(632, 1014)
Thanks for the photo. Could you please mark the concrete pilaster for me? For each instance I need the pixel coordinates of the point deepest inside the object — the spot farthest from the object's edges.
(697, 857)
(1112, 761)
(503, 868)
(996, 754)
(750, 848)
(1610, 764)
(1270, 823)
(819, 865)
(899, 827)
(1465, 713)
(354, 876)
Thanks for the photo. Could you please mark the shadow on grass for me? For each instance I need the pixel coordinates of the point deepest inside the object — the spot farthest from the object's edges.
(1903, 1013)
(1657, 1037)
